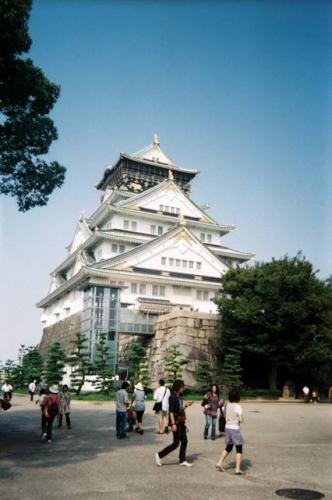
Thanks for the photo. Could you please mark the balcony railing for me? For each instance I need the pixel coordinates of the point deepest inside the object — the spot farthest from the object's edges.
(131, 321)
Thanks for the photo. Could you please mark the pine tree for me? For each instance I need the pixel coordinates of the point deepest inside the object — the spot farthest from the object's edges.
(54, 365)
(103, 364)
(31, 364)
(174, 363)
(205, 374)
(136, 357)
(232, 370)
(80, 361)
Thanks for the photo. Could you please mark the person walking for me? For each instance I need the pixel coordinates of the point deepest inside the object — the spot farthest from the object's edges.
(139, 405)
(39, 401)
(51, 409)
(306, 392)
(7, 390)
(64, 406)
(211, 403)
(161, 397)
(122, 403)
(233, 436)
(177, 416)
(32, 389)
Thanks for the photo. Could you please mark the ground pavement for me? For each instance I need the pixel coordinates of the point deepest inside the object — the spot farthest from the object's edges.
(288, 445)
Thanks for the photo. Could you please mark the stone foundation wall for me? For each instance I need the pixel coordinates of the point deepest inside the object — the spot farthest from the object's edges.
(195, 333)
(63, 331)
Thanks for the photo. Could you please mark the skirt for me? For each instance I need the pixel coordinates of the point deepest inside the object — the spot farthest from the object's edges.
(233, 436)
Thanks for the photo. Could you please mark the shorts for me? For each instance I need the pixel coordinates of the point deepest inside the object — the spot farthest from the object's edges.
(233, 436)
(164, 413)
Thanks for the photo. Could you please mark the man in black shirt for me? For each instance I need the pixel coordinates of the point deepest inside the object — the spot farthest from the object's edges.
(177, 417)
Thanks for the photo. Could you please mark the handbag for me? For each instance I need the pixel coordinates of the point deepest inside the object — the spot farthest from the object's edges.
(158, 405)
(5, 404)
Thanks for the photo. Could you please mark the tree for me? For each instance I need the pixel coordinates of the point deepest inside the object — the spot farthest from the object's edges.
(31, 364)
(138, 363)
(231, 369)
(205, 374)
(103, 364)
(8, 370)
(55, 363)
(174, 363)
(278, 317)
(80, 362)
(26, 99)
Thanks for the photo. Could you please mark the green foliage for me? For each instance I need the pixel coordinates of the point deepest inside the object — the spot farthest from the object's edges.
(174, 363)
(103, 364)
(8, 369)
(136, 360)
(31, 365)
(205, 374)
(26, 99)
(54, 365)
(80, 362)
(277, 315)
(231, 369)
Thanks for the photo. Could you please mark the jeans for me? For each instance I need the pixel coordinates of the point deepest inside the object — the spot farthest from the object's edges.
(210, 421)
(121, 424)
(31, 395)
(180, 436)
(67, 415)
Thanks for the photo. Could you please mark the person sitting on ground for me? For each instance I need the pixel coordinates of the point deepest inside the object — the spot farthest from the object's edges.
(32, 389)
(51, 409)
(138, 399)
(64, 406)
(177, 416)
(234, 417)
(161, 397)
(122, 403)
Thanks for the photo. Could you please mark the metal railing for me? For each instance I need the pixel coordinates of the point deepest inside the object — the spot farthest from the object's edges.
(131, 321)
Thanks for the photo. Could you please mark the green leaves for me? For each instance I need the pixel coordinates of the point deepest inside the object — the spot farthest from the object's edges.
(80, 361)
(174, 363)
(138, 363)
(55, 363)
(277, 314)
(26, 98)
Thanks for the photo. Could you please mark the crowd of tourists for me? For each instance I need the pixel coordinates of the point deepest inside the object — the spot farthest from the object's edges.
(170, 410)
(221, 416)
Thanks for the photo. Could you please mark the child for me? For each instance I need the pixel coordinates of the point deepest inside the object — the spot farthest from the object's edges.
(233, 436)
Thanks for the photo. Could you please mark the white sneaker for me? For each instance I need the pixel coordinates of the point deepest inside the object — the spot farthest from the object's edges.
(186, 464)
(158, 461)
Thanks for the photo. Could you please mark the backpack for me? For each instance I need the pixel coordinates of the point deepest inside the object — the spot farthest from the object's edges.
(53, 408)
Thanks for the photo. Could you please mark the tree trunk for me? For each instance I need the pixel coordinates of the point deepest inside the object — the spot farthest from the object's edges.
(273, 377)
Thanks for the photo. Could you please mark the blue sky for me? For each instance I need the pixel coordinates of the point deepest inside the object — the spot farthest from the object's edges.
(240, 90)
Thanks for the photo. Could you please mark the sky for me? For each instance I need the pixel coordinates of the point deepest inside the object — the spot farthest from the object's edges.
(240, 90)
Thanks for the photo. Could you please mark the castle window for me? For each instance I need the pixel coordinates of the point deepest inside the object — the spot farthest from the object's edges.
(199, 294)
(191, 264)
(205, 295)
(161, 208)
(122, 248)
(155, 289)
(198, 265)
(177, 210)
(171, 262)
(114, 248)
(153, 229)
(133, 225)
(163, 261)
(209, 238)
(126, 224)
(142, 288)
(184, 264)
(160, 230)
(158, 291)
(202, 237)
(177, 262)
(166, 208)
(133, 288)
(162, 291)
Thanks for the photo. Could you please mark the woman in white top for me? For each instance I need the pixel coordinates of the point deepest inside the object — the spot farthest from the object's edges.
(161, 397)
(234, 417)
(139, 399)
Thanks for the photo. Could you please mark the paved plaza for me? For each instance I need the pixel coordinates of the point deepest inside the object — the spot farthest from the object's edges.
(288, 445)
